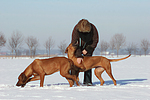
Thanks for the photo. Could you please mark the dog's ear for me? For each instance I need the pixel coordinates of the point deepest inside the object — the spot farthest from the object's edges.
(66, 51)
(24, 77)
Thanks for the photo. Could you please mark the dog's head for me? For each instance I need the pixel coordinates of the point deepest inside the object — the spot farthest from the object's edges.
(70, 51)
(22, 80)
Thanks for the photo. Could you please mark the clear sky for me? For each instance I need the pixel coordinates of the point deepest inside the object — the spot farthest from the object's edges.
(56, 18)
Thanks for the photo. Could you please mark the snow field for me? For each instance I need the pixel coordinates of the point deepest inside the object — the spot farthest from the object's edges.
(132, 75)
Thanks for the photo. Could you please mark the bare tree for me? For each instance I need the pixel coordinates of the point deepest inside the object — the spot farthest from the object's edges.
(15, 41)
(112, 45)
(62, 47)
(145, 45)
(32, 43)
(119, 41)
(10, 46)
(129, 48)
(49, 44)
(134, 48)
(2, 40)
(35, 48)
(104, 46)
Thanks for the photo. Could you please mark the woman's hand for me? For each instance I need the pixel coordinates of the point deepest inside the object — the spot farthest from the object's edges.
(84, 52)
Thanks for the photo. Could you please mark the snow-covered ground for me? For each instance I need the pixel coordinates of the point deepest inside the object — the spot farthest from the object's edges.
(132, 75)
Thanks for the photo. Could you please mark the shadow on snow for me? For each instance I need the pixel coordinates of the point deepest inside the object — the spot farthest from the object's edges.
(110, 82)
(121, 82)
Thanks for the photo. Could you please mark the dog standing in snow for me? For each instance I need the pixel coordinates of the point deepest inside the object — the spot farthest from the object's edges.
(41, 67)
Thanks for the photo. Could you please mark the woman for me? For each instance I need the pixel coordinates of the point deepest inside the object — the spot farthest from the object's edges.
(85, 38)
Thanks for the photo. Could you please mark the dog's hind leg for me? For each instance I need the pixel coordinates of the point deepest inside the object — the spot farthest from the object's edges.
(76, 80)
(73, 78)
(64, 71)
(69, 77)
(71, 82)
(109, 72)
(77, 76)
(98, 71)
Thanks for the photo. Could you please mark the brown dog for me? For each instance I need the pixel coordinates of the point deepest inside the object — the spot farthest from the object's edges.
(41, 67)
(100, 63)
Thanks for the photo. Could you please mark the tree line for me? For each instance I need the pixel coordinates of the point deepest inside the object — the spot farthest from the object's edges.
(117, 42)
(16, 41)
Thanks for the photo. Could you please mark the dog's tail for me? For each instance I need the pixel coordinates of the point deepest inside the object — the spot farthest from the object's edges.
(115, 60)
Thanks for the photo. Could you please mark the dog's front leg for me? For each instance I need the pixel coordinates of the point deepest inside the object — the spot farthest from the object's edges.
(37, 77)
(42, 80)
